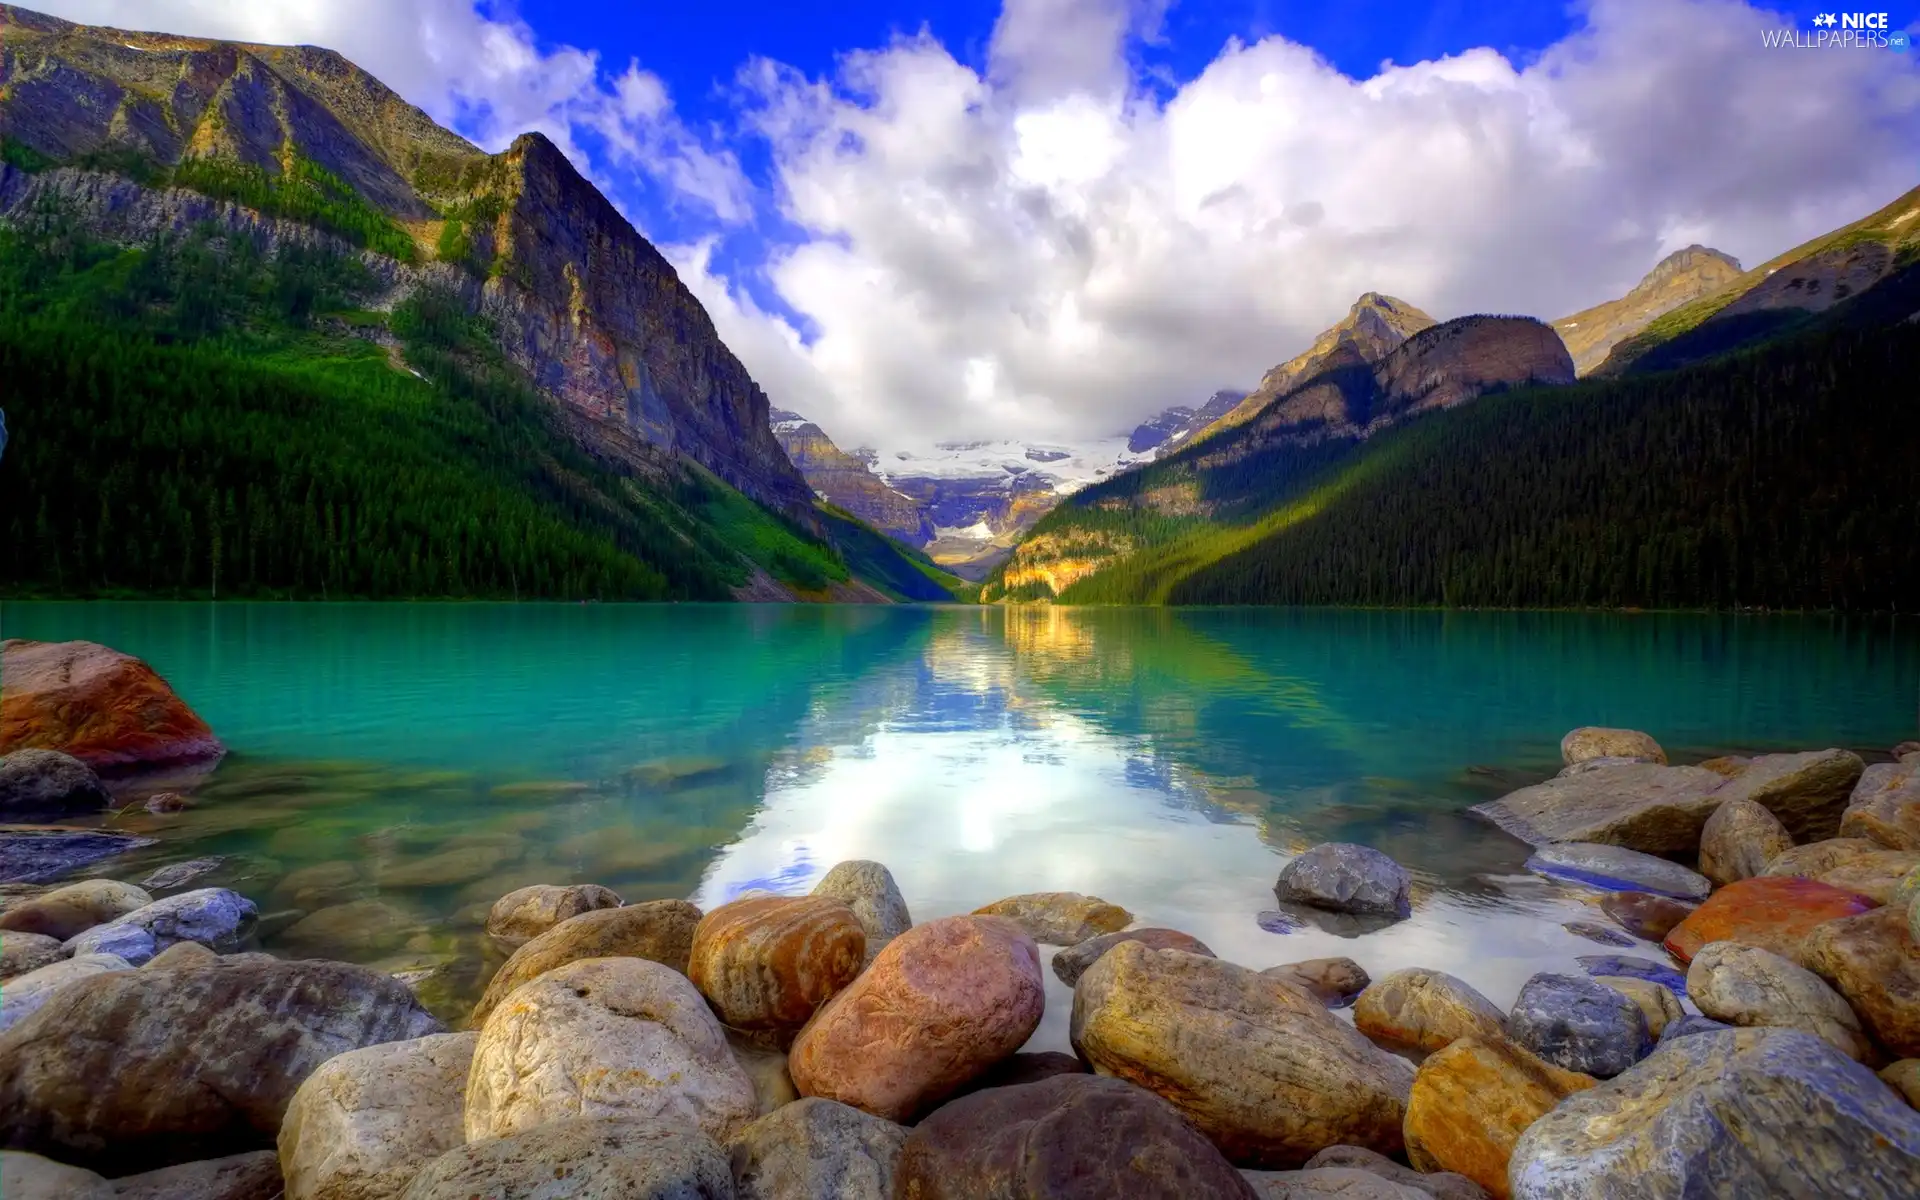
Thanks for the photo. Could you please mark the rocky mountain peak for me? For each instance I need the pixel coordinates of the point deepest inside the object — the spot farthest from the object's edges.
(1680, 277)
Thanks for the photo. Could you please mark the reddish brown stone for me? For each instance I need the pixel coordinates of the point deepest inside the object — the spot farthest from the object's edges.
(1871, 960)
(1773, 912)
(1644, 914)
(766, 963)
(105, 708)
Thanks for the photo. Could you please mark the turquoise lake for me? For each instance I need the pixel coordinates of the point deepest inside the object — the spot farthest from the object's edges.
(395, 768)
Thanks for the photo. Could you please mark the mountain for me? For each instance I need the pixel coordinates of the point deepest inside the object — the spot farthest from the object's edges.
(1172, 428)
(1680, 277)
(844, 479)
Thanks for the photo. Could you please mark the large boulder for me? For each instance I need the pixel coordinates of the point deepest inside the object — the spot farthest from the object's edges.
(605, 1037)
(20, 998)
(1739, 840)
(1579, 1025)
(1773, 912)
(767, 963)
(1807, 791)
(584, 1158)
(1745, 1112)
(105, 708)
(659, 930)
(1471, 1102)
(1858, 865)
(868, 889)
(1260, 1067)
(1334, 982)
(1745, 985)
(1346, 878)
(1885, 806)
(939, 1006)
(1073, 1137)
(362, 1124)
(525, 913)
(24, 952)
(1643, 914)
(1872, 961)
(1596, 741)
(1642, 806)
(1059, 918)
(140, 1069)
(1427, 1010)
(816, 1150)
(39, 783)
(214, 917)
(1616, 868)
(1071, 962)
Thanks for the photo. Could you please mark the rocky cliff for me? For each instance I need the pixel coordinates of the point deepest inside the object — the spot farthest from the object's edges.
(1680, 277)
(1172, 428)
(848, 481)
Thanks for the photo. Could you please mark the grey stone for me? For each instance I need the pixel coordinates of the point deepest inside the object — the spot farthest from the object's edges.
(23, 997)
(37, 855)
(1642, 806)
(1606, 935)
(583, 1158)
(48, 783)
(1346, 878)
(868, 889)
(1808, 792)
(251, 1176)
(30, 1177)
(1578, 1024)
(1442, 1185)
(214, 917)
(1618, 869)
(1745, 985)
(180, 874)
(816, 1149)
(362, 1124)
(1689, 1026)
(1327, 1183)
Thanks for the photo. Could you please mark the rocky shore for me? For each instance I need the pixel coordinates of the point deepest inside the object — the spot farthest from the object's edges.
(1753, 1029)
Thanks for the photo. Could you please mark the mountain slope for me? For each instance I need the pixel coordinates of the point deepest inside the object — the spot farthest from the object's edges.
(1679, 278)
(846, 481)
(1172, 428)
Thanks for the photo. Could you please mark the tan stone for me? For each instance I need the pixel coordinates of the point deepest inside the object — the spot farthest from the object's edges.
(1332, 981)
(31, 1177)
(181, 954)
(1642, 806)
(1728, 765)
(1739, 840)
(254, 1175)
(74, 909)
(868, 889)
(581, 1158)
(1872, 962)
(1595, 741)
(525, 913)
(766, 964)
(24, 952)
(1059, 918)
(1904, 1077)
(361, 1126)
(1425, 1009)
(660, 930)
(1856, 864)
(1471, 1102)
(1885, 806)
(1745, 985)
(1807, 791)
(1656, 1000)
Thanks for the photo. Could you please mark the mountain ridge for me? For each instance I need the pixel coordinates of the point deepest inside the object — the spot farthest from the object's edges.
(1680, 278)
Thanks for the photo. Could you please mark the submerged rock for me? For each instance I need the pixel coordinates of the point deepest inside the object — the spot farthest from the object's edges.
(102, 707)
(584, 1158)
(1739, 840)
(1346, 878)
(1579, 1025)
(1618, 869)
(180, 874)
(658, 930)
(1642, 806)
(1059, 918)
(1806, 791)
(358, 929)
(362, 1124)
(37, 783)
(1072, 961)
(72, 910)
(1772, 912)
(1745, 985)
(1595, 741)
(35, 855)
(766, 964)
(868, 889)
(1427, 1010)
(816, 1150)
(1471, 1102)
(525, 913)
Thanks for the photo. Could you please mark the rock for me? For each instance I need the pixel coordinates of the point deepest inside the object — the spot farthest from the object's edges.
(362, 1124)
(1728, 765)
(1904, 1077)
(1593, 931)
(1739, 840)
(659, 930)
(1579, 1025)
(1598, 764)
(1334, 982)
(939, 1006)
(181, 954)
(1806, 791)
(605, 1037)
(525, 913)
(1073, 1137)
(214, 917)
(31, 1177)
(1745, 985)
(1593, 741)
(1016, 1070)
(1618, 869)
(1342, 877)
(167, 802)
(34, 855)
(1856, 865)
(1260, 1067)
(1327, 1183)
(1657, 1001)
(1274, 920)
(26, 995)
(1907, 889)
(1626, 966)
(1745, 1112)
(1473, 1099)
(1059, 918)
(448, 868)
(180, 874)
(1425, 1009)
(319, 885)
(816, 1150)
(103, 707)
(1642, 806)
(1441, 1185)
(1072, 962)
(585, 1158)
(74, 909)
(1885, 806)
(254, 1175)
(1871, 960)
(24, 952)
(141, 1069)
(1905, 749)
(766, 964)
(358, 929)
(766, 1069)
(1645, 915)
(48, 783)
(1689, 1025)
(1772, 912)
(868, 889)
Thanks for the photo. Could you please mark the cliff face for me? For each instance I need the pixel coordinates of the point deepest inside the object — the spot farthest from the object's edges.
(1680, 277)
(848, 482)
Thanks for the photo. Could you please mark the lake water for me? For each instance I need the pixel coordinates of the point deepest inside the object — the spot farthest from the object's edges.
(432, 757)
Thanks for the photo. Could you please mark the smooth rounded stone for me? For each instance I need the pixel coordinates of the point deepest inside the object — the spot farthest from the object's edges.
(1739, 840)
(658, 930)
(1773, 912)
(1070, 963)
(1579, 1025)
(1871, 960)
(766, 964)
(30, 1177)
(358, 929)
(318, 885)
(868, 889)
(448, 868)
(1334, 982)
(20, 998)
(180, 874)
(1808, 791)
(181, 954)
(1904, 1077)
(254, 1175)
(1642, 806)
(35, 854)
(1854, 864)
(1643, 914)
(72, 910)
(1441, 1185)
(1327, 1183)
(167, 802)
(939, 1006)
(134, 1070)
(1618, 869)
(1059, 918)
(816, 1149)
(1744, 1112)
(1885, 806)
(1260, 1067)
(215, 917)
(1657, 1001)
(1689, 1025)
(1627, 966)
(48, 783)
(101, 706)
(1745, 985)
(1346, 878)
(587, 1158)
(766, 1069)
(1072, 1137)
(1275, 920)
(1596, 741)
(525, 913)
(1425, 1009)
(604, 1037)
(362, 1124)
(24, 952)
(1593, 931)
(1471, 1102)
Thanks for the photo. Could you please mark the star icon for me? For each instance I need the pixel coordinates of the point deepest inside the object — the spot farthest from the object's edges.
(1827, 19)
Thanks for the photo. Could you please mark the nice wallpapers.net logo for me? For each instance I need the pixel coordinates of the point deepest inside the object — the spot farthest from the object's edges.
(1841, 31)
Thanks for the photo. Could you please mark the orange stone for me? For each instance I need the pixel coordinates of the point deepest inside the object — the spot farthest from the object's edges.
(766, 963)
(105, 708)
(1473, 1100)
(1773, 912)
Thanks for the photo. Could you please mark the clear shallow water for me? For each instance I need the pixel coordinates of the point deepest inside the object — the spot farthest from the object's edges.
(417, 761)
